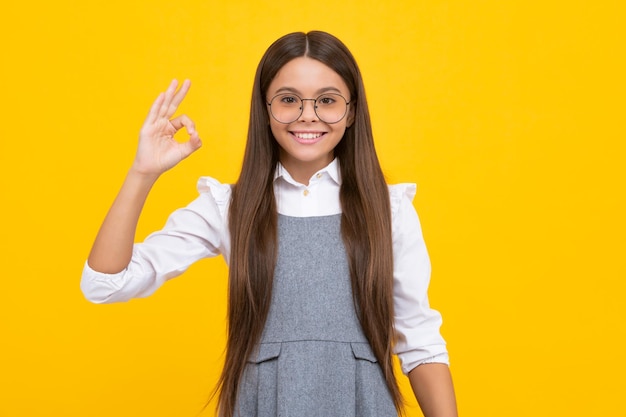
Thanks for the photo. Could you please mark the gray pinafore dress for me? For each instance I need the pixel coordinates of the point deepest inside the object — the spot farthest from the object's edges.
(313, 358)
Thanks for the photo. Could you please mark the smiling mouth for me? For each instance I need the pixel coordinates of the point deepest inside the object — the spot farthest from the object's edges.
(308, 135)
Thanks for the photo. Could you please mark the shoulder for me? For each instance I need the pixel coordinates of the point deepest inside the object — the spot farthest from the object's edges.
(401, 195)
(217, 193)
(217, 190)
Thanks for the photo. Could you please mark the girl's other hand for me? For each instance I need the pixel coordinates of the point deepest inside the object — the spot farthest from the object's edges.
(158, 151)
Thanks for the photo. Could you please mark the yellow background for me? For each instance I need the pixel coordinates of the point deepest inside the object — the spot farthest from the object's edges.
(508, 114)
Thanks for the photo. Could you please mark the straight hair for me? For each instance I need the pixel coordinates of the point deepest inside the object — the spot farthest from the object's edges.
(253, 218)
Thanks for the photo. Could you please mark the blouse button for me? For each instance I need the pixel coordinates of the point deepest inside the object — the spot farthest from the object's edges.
(318, 175)
(305, 192)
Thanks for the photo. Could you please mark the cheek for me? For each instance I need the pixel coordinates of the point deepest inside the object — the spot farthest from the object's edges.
(342, 126)
(274, 128)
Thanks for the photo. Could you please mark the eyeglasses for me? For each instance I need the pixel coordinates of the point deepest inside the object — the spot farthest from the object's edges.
(287, 108)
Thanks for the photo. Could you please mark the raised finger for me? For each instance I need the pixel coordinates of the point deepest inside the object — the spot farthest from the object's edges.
(164, 110)
(180, 94)
(154, 109)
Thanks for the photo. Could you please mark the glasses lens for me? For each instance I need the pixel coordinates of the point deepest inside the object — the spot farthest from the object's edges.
(331, 108)
(287, 108)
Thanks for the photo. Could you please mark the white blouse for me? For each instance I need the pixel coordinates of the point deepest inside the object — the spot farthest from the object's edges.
(200, 230)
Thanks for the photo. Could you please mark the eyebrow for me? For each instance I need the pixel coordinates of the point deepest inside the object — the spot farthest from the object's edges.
(295, 90)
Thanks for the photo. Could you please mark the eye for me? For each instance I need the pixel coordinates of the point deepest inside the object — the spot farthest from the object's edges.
(289, 99)
(326, 100)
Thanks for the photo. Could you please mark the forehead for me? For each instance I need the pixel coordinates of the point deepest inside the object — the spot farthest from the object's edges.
(307, 76)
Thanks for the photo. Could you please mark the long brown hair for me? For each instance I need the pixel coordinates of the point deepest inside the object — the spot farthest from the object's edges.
(365, 221)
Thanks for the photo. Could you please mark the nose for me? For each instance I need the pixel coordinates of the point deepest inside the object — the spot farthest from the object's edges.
(308, 112)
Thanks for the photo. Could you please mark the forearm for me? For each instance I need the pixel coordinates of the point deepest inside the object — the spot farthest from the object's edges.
(113, 246)
(156, 153)
(433, 388)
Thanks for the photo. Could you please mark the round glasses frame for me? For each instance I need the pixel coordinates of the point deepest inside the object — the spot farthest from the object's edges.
(314, 100)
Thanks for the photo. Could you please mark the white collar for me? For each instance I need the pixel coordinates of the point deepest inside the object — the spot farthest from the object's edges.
(331, 169)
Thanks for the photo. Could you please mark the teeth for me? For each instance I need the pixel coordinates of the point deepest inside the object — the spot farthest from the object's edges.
(308, 135)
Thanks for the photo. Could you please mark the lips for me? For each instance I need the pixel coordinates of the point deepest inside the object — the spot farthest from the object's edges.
(307, 137)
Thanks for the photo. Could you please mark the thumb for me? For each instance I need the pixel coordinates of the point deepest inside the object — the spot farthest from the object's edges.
(190, 146)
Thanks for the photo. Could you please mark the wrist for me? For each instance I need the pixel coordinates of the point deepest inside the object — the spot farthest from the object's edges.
(139, 176)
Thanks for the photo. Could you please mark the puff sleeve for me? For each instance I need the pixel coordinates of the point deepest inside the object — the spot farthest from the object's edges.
(197, 231)
(417, 324)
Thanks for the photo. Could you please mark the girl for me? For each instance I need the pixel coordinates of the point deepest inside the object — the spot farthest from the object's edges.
(328, 272)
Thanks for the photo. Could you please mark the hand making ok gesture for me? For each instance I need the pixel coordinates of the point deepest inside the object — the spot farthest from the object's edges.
(158, 151)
